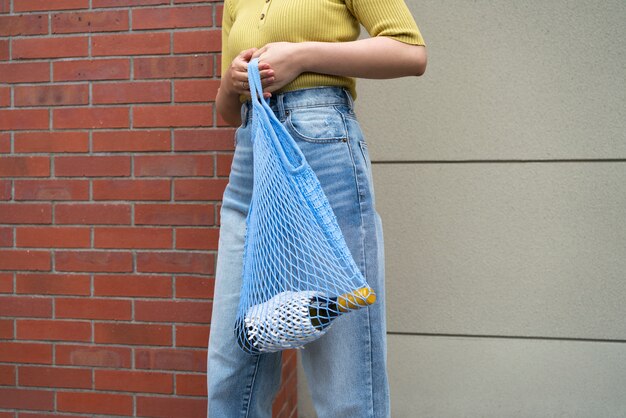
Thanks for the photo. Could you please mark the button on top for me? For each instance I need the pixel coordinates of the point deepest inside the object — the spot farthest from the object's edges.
(262, 16)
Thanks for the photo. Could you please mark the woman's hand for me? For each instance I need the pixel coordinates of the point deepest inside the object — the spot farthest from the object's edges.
(284, 60)
(235, 81)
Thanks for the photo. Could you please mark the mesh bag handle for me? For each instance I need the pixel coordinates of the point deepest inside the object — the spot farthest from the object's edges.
(298, 273)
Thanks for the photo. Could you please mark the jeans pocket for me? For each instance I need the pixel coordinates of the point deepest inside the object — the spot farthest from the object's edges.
(317, 124)
(365, 154)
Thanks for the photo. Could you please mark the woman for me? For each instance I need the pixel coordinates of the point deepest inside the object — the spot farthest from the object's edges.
(309, 57)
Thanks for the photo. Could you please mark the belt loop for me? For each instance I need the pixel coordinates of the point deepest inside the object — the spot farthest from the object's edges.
(349, 96)
(281, 105)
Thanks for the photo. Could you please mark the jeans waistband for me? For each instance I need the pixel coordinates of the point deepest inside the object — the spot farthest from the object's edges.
(306, 97)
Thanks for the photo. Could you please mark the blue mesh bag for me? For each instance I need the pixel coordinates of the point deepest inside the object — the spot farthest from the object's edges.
(298, 273)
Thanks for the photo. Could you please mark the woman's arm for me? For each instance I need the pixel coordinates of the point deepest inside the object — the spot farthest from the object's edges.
(375, 57)
(282, 62)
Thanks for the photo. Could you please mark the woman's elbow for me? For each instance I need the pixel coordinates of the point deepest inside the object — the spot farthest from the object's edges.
(421, 59)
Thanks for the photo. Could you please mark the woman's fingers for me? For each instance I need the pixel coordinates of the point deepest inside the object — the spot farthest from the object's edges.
(247, 53)
(267, 78)
(267, 73)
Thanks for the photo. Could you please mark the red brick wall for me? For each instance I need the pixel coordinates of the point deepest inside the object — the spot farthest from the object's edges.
(112, 166)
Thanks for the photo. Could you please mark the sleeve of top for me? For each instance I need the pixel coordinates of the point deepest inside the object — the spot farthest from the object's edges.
(391, 18)
(227, 22)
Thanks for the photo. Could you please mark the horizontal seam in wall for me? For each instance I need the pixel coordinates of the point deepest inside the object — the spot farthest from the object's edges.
(563, 160)
(517, 337)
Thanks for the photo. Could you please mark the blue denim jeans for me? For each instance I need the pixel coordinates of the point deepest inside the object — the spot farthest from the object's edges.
(346, 368)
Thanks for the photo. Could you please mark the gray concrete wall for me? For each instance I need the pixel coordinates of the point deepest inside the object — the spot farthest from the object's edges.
(500, 176)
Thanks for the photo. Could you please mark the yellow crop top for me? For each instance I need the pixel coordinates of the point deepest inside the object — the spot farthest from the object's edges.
(254, 23)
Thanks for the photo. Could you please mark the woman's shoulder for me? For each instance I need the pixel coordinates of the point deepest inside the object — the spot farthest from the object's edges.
(229, 7)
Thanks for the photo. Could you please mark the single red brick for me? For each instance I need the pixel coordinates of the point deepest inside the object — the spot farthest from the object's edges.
(197, 41)
(134, 381)
(53, 329)
(130, 44)
(170, 359)
(124, 141)
(110, 261)
(107, 21)
(173, 67)
(7, 372)
(31, 5)
(174, 165)
(195, 90)
(20, 352)
(52, 237)
(173, 311)
(92, 69)
(54, 377)
(95, 403)
(22, 119)
(224, 163)
(51, 141)
(218, 65)
(54, 95)
(5, 190)
(4, 48)
(30, 166)
(121, 3)
(6, 282)
(173, 214)
(192, 336)
(195, 287)
(93, 308)
(90, 355)
(5, 101)
(92, 166)
(134, 92)
(24, 72)
(204, 140)
(197, 238)
(25, 260)
(176, 262)
(5, 139)
(30, 399)
(91, 214)
(172, 17)
(6, 236)
(136, 334)
(25, 213)
(191, 384)
(179, 115)
(51, 189)
(131, 189)
(26, 24)
(132, 237)
(41, 47)
(154, 406)
(91, 117)
(25, 306)
(133, 285)
(52, 284)
(219, 11)
(199, 189)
